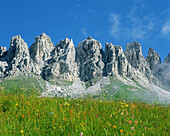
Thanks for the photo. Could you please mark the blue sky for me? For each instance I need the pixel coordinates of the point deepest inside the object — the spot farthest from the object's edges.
(115, 21)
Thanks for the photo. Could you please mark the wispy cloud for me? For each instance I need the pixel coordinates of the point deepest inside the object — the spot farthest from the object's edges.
(136, 28)
(166, 28)
(115, 25)
(139, 26)
(84, 32)
(165, 23)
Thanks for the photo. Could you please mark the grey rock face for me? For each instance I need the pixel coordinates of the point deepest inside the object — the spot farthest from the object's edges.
(90, 59)
(86, 62)
(135, 57)
(3, 67)
(62, 65)
(153, 59)
(18, 56)
(40, 50)
(3, 51)
(116, 62)
(167, 59)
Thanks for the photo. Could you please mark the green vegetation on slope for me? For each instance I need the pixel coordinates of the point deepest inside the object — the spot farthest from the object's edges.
(119, 90)
(25, 83)
(28, 115)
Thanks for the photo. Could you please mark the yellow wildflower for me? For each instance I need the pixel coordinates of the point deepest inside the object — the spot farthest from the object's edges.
(114, 126)
(22, 131)
(126, 105)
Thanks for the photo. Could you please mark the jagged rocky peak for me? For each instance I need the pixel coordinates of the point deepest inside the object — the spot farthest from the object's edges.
(89, 38)
(167, 59)
(135, 57)
(64, 45)
(62, 65)
(17, 57)
(40, 50)
(65, 50)
(115, 61)
(109, 52)
(134, 54)
(18, 48)
(90, 59)
(153, 58)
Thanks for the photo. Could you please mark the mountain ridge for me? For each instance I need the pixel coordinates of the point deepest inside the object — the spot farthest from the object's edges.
(86, 62)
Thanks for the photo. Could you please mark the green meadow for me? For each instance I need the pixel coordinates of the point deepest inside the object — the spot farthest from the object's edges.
(22, 114)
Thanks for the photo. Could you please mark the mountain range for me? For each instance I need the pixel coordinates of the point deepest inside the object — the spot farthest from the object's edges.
(66, 70)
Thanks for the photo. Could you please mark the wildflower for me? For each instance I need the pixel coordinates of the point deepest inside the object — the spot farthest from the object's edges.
(81, 124)
(126, 105)
(129, 121)
(66, 104)
(97, 116)
(114, 126)
(23, 116)
(121, 130)
(136, 122)
(148, 128)
(145, 127)
(81, 133)
(51, 113)
(22, 131)
(16, 104)
(132, 128)
(21, 95)
(122, 106)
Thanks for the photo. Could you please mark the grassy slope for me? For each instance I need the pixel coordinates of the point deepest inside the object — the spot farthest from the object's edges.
(26, 83)
(119, 90)
(115, 90)
(23, 115)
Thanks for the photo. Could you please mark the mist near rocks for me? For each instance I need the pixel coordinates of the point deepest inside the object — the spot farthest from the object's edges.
(162, 72)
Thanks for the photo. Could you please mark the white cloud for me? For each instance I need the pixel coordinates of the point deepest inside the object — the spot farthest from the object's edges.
(84, 32)
(136, 28)
(115, 25)
(166, 28)
(139, 26)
